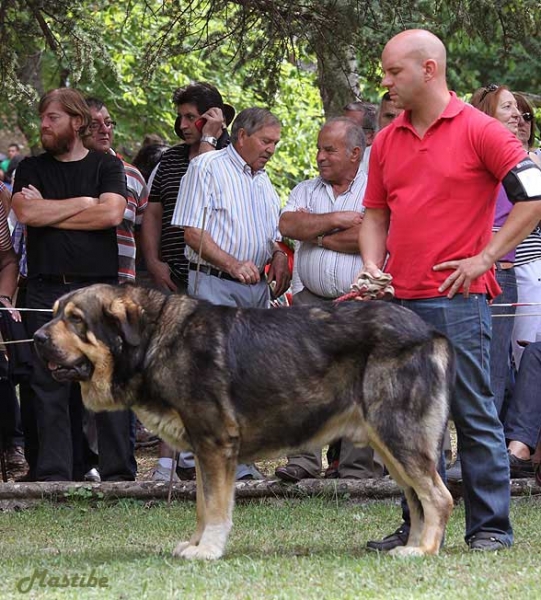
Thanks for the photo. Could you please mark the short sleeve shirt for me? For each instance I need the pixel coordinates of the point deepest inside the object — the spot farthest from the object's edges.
(440, 191)
(53, 251)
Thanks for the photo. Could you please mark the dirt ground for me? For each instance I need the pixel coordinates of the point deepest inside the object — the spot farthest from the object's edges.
(147, 459)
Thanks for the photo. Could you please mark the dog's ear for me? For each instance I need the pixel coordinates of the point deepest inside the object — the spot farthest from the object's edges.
(127, 314)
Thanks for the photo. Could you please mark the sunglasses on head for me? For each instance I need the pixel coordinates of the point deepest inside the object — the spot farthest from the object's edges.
(490, 88)
(528, 117)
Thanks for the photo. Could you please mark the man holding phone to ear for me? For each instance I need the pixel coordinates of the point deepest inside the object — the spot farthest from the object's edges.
(201, 124)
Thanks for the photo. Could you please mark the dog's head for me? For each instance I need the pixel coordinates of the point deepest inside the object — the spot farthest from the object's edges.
(90, 330)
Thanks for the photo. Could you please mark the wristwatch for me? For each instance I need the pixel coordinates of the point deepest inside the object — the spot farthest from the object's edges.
(210, 140)
(320, 240)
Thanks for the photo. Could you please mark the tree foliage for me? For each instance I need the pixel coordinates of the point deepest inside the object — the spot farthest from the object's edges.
(304, 58)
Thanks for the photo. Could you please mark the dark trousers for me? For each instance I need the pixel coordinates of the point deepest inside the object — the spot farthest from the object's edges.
(502, 331)
(523, 420)
(10, 415)
(59, 411)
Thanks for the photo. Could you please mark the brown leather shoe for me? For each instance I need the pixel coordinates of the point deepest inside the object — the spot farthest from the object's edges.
(15, 458)
(292, 473)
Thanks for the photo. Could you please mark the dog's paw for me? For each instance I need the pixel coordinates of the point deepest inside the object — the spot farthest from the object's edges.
(181, 546)
(200, 552)
(407, 551)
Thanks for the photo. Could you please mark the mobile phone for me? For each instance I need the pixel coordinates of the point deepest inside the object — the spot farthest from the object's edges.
(200, 123)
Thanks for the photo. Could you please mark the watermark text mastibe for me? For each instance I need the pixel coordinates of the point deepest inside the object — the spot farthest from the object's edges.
(43, 578)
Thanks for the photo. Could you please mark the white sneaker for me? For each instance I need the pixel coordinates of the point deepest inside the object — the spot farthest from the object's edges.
(93, 475)
(163, 474)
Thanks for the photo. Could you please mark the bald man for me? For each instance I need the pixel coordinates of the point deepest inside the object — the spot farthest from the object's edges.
(435, 173)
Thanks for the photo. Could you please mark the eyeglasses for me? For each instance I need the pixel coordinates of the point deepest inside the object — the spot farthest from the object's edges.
(528, 117)
(96, 125)
(490, 88)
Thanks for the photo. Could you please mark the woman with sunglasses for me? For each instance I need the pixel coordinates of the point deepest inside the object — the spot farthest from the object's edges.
(526, 126)
(500, 103)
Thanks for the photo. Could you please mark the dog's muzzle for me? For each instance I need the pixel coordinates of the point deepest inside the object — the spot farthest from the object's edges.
(79, 370)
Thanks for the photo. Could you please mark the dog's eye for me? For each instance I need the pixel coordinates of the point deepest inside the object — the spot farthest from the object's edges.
(76, 319)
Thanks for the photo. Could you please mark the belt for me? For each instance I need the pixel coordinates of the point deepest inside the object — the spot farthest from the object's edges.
(212, 271)
(504, 266)
(68, 279)
(215, 272)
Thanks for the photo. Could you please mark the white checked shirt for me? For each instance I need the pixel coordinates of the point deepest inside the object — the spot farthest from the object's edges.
(242, 209)
(325, 272)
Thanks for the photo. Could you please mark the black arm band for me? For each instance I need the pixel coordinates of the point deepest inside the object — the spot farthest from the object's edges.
(523, 182)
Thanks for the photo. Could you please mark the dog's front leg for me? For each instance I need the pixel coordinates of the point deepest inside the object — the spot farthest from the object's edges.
(216, 479)
(200, 511)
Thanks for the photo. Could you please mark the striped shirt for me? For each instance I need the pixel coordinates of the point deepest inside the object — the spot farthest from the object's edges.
(242, 209)
(529, 249)
(5, 237)
(133, 215)
(164, 188)
(325, 272)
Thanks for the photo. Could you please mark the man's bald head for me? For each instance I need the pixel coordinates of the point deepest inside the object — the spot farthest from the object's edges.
(420, 45)
(413, 65)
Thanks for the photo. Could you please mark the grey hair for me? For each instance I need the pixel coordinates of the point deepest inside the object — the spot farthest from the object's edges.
(252, 120)
(355, 137)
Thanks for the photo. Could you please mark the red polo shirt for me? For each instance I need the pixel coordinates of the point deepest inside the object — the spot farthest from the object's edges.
(441, 191)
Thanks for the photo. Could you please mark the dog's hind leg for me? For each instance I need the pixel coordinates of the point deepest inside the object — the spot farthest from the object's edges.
(214, 512)
(429, 494)
(200, 511)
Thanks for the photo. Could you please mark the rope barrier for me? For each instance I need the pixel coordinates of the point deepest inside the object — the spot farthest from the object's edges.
(507, 305)
(10, 309)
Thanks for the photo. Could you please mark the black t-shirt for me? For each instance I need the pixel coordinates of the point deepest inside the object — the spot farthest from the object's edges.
(52, 251)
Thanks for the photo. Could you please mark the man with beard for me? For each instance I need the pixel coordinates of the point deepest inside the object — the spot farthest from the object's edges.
(71, 200)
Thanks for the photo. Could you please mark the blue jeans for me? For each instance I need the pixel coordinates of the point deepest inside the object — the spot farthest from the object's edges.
(502, 331)
(481, 442)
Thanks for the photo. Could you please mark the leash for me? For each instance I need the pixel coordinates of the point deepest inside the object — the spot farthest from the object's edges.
(370, 287)
(196, 282)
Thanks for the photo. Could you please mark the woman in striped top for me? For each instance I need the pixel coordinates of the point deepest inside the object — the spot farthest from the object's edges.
(528, 252)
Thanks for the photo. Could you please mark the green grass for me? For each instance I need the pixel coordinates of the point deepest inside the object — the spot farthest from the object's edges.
(283, 549)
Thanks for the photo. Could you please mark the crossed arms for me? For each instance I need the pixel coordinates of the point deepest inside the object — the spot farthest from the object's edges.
(80, 213)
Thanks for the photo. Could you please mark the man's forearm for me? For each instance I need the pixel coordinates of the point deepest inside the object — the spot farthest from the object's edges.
(9, 270)
(373, 237)
(346, 241)
(45, 213)
(210, 251)
(305, 226)
(151, 232)
(94, 218)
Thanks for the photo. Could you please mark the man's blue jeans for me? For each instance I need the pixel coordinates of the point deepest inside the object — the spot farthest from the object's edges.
(481, 442)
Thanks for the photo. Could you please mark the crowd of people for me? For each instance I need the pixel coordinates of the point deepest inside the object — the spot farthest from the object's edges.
(443, 195)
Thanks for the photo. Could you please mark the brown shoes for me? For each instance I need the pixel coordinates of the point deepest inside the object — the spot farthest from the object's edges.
(292, 473)
(15, 458)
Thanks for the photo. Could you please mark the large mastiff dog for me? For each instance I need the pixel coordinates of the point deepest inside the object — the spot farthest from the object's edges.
(237, 385)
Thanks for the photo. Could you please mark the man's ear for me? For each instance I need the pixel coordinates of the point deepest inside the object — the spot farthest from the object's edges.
(127, 315)
(356, 154)
(430, 67)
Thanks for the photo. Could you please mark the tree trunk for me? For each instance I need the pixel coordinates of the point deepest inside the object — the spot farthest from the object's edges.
(148, 490)
(338, 79)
